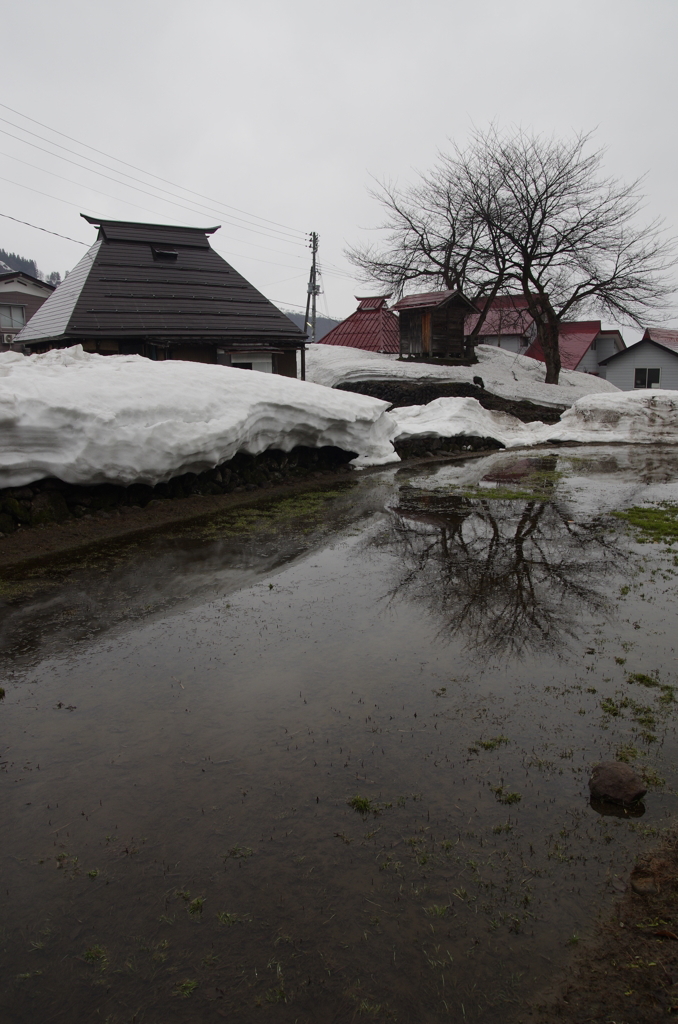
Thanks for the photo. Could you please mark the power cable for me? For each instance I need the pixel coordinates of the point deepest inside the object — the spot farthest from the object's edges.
(292, 239)
(141, 170)
(47, 232)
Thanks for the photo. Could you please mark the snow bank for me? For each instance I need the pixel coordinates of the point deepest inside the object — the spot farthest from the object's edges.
(627, 417)
(506, 374)
(89, 419)
(451, 417)
(631, 417)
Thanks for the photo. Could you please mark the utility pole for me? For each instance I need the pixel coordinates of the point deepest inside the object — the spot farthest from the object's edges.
(313, 287)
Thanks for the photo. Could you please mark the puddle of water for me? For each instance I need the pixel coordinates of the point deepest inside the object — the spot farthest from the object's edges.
(330, 761)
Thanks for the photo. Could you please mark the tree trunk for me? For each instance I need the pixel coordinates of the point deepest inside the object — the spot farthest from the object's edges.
(547, 334)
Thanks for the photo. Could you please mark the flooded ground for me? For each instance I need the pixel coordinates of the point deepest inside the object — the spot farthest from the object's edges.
(327, 758)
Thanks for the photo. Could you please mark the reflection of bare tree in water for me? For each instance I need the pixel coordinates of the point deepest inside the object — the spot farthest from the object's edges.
(512, 576)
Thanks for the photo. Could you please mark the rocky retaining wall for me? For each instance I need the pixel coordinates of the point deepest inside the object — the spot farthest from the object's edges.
(402, 393)
(53, 501)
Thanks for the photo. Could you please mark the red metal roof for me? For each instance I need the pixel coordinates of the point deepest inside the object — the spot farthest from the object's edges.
(372, 327)
(504, 302)
(426, 299)
(502, 321)
(574, 341)
(663, 336)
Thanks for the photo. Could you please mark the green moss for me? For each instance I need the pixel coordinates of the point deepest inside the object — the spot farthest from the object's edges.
(652, 524)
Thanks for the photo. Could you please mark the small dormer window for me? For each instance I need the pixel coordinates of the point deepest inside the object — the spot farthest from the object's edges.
(163, 254)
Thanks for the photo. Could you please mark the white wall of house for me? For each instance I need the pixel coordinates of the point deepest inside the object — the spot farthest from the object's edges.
(261, 361)
(508, 342)
(589, 362)
(621, 371)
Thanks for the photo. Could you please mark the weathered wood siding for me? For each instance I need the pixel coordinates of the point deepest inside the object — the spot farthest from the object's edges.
(410, 332)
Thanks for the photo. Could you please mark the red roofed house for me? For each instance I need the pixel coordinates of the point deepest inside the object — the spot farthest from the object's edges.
(372, 327)
(432, 324)
(508, 324)
(583, 345)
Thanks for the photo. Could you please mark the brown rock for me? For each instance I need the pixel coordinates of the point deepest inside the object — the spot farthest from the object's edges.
(616, 783)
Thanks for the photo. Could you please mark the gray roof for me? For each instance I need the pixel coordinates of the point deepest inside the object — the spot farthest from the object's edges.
(639, 344)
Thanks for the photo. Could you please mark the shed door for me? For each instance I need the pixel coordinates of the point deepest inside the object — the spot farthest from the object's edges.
(426, 334)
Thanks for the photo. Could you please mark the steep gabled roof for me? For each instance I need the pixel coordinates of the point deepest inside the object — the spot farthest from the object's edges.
(372, 327)
(644, 340)
(508, 315)
(574, 341)
(157, 281)
(431, 300)
(667, 338)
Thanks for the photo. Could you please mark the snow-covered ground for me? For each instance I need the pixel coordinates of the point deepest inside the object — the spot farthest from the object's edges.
(506, 374)
(89, 419)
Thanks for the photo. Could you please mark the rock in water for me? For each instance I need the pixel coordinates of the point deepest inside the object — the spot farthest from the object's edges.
(616, 783)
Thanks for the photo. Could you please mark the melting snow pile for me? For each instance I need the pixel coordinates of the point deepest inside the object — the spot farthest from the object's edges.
(627, 417)
(89, 419)
(454, 417)
(630, 417)
(514, 377)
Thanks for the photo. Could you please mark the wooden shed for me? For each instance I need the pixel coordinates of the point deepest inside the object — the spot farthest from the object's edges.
(161, 291)
(432, 324)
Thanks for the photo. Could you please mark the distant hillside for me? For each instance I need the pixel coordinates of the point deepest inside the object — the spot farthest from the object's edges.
(24, 266)
(323, 324)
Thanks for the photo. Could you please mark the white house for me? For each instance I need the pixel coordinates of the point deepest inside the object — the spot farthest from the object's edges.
(652, 363)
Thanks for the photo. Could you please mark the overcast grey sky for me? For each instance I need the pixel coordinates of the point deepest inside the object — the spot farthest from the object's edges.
(284, 109)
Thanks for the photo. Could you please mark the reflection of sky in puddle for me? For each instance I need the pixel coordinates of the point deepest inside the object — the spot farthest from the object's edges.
(460, 663)
(594, 480)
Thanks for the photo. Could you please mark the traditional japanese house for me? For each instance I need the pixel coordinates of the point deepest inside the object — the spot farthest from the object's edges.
(373, 327)
(507, 324)
(163, 292)
(432, 324)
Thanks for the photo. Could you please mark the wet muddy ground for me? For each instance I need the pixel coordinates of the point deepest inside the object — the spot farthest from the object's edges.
(326, 757)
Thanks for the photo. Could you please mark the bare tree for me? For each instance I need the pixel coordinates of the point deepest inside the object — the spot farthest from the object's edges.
(517, 211)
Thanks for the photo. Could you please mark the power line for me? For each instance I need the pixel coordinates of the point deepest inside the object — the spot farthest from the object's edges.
(38, 228)
(117, 199)
(141, 170)
(171, 202)
(294, 240)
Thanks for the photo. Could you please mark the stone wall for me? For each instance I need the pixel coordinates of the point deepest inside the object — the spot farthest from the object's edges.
(53, 501)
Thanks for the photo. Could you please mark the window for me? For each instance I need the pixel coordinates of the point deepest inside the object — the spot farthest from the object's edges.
(164, 254)
(11, 318)
(647, 378)
(242, 366)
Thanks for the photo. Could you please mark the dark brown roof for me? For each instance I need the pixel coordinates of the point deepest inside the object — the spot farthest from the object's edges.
(158, 281)
(430, 300)
(8, 275)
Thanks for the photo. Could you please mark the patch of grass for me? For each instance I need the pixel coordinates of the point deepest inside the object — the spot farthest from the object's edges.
(96, 955)
(505, 797)
(493, 742)
(2, 692)
(650, 776)
(196, 906)
(627, 754)
(362, 805)
(498, 829)
(227, 919)
(185, 988)
(652, 524)
(437, 910)
(93, 873)
(239, 853)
